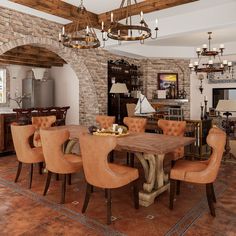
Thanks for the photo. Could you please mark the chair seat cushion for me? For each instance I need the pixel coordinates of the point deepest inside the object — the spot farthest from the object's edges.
(182, 167)
(73, 158)
(126, 174)
(176, 154)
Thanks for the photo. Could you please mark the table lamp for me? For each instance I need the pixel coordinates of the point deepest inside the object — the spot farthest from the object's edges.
(118, 88)
(227, 106)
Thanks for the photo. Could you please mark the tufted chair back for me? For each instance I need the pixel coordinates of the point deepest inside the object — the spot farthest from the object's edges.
(52, 144)
(105, 121)
(135, 125)
(24, 152)
(94, 150)
(41, 122)
(173, 128)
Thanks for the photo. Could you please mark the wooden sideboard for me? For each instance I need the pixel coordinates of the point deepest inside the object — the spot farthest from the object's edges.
(23, 116)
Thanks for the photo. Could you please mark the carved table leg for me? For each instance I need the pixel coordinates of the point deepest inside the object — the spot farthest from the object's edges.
(154, 176)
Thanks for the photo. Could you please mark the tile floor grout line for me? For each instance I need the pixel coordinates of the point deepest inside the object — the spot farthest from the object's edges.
(84, 220)
(193, 214)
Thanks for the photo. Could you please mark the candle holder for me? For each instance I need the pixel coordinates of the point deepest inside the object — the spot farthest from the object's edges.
(205, 110)
(202, 116)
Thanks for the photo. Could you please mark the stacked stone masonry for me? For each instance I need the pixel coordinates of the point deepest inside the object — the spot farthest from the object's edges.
(90, 66)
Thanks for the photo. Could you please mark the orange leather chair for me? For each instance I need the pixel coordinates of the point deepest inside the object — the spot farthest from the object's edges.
(95, 150)
(41, 122)
(201, 172)
(24, 152)
(173, 128)
(105, 121)
(56, 161)
(135, 125)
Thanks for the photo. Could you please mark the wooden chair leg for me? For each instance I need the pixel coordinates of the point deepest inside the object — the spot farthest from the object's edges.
(69, 179)
(136, 194)
(57, 177)
(213, 193)
(177, 187)
(18, 171)
(63, 188)
(47, 182)
(108, 206)
(210, 199)
(132, 159)
(105, 193)
(87, 197)
(40, 168)
(172, 193)
(31, 175)
(127, 159)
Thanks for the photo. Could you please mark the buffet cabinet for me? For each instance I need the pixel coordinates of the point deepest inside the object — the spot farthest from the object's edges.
(6, 143)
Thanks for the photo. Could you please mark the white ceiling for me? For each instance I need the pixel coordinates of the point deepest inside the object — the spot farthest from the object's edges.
(98, 6)
(183, 26)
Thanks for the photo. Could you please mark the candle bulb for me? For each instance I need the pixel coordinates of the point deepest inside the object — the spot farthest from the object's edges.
(118, 32)
(225, 62)
(196, 63)
(102, 25)
(198, 50)
(63, 30)
(141, 14)
(222, 46)
(87, 29)
(204, 46)
(60, 37)
(112, 17)
(156, 22)
(205, 98)
(210, 62)
(230, 63)
(190, 65)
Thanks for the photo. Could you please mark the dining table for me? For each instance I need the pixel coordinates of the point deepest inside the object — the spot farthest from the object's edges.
(150, 149)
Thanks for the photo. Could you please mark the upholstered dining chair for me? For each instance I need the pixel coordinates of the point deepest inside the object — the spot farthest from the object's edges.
(56, 161)
(41, 122)
(99, 173)
(173, 128)
(135, 125)
(105, 121)
(130, 107)
(24, 152)
(201, 172)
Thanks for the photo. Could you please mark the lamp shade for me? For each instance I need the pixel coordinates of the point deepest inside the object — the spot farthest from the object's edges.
(226, 105)
(119, 88)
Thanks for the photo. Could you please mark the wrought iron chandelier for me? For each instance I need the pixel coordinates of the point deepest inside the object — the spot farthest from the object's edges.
(210, 67)
(81, 33)
(127, 32)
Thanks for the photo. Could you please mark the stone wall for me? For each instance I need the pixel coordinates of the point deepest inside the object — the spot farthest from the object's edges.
(90, 66)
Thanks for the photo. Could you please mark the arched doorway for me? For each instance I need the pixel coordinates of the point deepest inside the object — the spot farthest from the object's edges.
(88, 102)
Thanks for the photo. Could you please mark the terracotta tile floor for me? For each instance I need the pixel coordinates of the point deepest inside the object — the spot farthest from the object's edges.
(27, 212)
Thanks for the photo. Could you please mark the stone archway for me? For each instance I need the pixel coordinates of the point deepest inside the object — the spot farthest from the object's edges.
(88, 102)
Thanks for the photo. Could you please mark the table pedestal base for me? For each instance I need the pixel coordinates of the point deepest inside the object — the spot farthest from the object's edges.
(155, 178)
(146, 199)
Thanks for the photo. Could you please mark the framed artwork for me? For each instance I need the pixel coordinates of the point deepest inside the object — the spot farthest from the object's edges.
(168, 82)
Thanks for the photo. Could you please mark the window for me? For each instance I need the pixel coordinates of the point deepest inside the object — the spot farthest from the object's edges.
(2, 85)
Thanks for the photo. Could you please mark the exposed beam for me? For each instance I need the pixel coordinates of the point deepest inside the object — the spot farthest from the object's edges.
(6, 62)
(58, 8)
(31, 56)
(145, 6)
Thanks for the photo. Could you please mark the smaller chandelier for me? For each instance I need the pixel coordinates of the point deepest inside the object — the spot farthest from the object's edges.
(80, 34)
(128, 32)
(210, 67)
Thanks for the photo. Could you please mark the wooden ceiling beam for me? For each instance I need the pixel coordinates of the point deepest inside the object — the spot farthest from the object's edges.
(32, 58)
(6, 62)
(58, 8)
(146, 6)
(35, 63)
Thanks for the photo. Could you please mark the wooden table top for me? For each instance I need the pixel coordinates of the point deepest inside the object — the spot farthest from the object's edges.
(139, 142)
